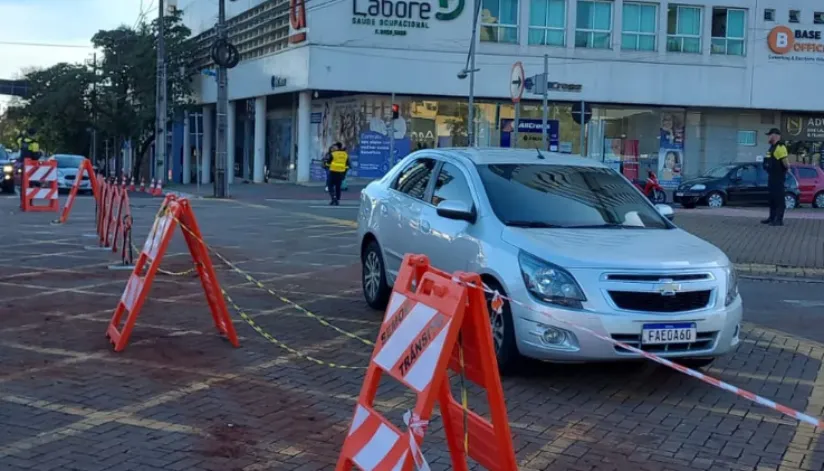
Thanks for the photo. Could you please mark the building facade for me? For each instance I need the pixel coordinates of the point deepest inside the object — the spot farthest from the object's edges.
(675, 87)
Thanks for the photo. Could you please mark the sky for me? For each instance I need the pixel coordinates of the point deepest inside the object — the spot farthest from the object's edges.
(58, 22)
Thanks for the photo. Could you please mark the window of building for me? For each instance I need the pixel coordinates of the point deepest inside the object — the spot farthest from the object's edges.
(795, 16)
(499, 21)
(747, 138)
(639, 26)
(684, 29)
(728, 30)
(818, 18)
(451, 185)
(414, 179)
(593, 26)
(547, 22)
(769, 14)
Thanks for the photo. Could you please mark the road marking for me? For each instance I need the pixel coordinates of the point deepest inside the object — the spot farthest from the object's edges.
(804, 302)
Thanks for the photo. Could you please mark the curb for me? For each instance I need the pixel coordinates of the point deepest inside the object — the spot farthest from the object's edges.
(778, 270)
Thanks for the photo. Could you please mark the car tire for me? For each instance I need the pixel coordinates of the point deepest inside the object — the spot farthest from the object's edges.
(790, 201)
(715, 199)
(659, 197)
(695, 363)
(376, 290)
(503, 332)
(818, 200)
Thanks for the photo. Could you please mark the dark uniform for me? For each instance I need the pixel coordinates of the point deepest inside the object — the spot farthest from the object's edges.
(338, 166)
(776, 165)
(29, 149)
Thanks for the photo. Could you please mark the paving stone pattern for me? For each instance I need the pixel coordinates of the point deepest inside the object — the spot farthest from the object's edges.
(181, 398)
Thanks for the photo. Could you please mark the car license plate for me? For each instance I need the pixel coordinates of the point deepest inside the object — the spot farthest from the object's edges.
(679, 194)
(663, 334)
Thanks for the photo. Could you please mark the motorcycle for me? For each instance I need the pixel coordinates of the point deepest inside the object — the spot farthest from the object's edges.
(651, 188)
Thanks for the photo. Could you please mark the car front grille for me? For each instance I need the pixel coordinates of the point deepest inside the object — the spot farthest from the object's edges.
(703, 341)
(656, 302)
(643, 277)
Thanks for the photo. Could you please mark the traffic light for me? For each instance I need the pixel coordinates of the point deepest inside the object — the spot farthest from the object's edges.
(395, 111)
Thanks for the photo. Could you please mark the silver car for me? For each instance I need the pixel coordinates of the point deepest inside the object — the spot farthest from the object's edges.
(67, 166)
(573, 241)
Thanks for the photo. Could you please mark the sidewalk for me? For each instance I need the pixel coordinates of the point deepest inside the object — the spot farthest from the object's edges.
(797, 248)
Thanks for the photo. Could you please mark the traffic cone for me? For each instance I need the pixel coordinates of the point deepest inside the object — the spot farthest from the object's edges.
(151, 189)
(142, 185)
(159, 188)
(131, 183)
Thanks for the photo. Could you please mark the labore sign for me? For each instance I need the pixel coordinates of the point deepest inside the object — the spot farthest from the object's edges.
(396, 17)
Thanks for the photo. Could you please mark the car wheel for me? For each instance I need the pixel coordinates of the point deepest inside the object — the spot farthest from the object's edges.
(659, 197)
(375, 289)
(715, 200)
(790, 201)
(695, 363)
(818, 200)
(503, 332)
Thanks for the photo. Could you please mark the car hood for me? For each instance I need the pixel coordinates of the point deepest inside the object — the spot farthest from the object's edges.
(618, 248)
(68, 171)
(697, 180)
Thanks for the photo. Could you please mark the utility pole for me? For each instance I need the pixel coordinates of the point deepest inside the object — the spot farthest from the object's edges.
(471, 127)
(159, 162)
(392, 132)
(94, 109)
(545, 111)
(222, 154)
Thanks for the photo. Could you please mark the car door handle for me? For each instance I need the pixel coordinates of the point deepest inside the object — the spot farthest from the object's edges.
(425, 227)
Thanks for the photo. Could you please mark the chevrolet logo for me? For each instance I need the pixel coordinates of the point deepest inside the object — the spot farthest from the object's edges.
(668, 288)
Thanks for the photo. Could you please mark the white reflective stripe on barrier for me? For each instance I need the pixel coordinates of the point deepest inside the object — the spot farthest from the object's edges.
(41, 194)
(42, 174)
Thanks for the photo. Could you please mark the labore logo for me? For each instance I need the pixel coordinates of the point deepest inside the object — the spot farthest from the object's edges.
(783, 40)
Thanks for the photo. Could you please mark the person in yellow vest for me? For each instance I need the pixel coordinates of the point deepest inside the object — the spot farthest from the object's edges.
(776, 164)
(29, 149)
(338, 166)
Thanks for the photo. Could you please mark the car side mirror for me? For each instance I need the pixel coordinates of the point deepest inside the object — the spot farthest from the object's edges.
(457, 210)
(666, 211)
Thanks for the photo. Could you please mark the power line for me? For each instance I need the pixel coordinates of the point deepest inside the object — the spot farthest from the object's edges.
(56, 45)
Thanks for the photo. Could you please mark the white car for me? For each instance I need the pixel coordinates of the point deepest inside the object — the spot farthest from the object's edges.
(573, 241)
(67, 166)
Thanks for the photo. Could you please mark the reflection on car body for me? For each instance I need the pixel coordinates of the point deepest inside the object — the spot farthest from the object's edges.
(569, 238)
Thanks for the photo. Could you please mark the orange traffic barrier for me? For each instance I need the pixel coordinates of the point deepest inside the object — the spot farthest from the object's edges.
(45, 173)
(173, 212)
(102, 208)
(84, 168)
(120, 214)
(112, 209)
(434, 322)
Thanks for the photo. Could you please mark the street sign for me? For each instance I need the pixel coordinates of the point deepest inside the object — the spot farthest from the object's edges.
(576, 112)
(517, 81)
(538, 83)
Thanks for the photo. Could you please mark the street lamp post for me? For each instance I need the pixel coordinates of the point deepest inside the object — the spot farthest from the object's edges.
(469, 71)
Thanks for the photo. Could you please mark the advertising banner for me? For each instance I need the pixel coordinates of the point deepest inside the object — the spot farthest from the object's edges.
(529, 133)
(373, 154)
(671, 149)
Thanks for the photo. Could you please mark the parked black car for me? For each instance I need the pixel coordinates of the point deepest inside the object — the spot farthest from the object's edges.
(6, 172)
(733, 184)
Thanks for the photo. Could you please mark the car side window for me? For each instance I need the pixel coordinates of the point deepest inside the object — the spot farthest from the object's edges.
(807, 173)
(748, 174)
(451, 185)
(414, 179)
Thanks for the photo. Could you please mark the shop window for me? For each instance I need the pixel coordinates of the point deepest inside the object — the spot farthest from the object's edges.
(639, 26)
(499, 21)
(728, 31)
(795, 16)
(547, 22)
(769, 14)
(593, 25)
(684, 29)
(818, 18)
(747, 138)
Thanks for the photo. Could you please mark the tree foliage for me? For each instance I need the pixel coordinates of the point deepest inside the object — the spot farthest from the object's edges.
(115, 96)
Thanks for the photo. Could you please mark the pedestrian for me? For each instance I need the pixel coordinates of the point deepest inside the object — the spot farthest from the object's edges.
(776, 165)
(338, 166)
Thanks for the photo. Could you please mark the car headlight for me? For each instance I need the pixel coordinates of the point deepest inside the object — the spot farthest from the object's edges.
(8, 169)
(550, 283)
(732, 286)
(698, 187)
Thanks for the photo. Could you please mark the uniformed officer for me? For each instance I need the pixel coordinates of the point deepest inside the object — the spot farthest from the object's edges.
(776, 165)
(29, 149)
(338, 166)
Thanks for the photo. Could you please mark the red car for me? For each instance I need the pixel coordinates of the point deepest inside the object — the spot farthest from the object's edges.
(811, 183)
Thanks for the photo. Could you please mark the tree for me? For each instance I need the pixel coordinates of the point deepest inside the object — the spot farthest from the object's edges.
(125, 98)
(58, 107)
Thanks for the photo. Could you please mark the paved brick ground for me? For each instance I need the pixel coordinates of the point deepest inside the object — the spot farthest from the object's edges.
(180, 398)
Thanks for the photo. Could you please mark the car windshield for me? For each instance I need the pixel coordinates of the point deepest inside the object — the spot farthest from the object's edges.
(561, 196)
(3, 154)
(719, 172)
(68, 161)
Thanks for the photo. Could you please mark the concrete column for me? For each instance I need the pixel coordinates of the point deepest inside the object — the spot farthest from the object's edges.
(208, 138)
(304, 136)
(187, 150)
(260, 139)
(231, 118)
